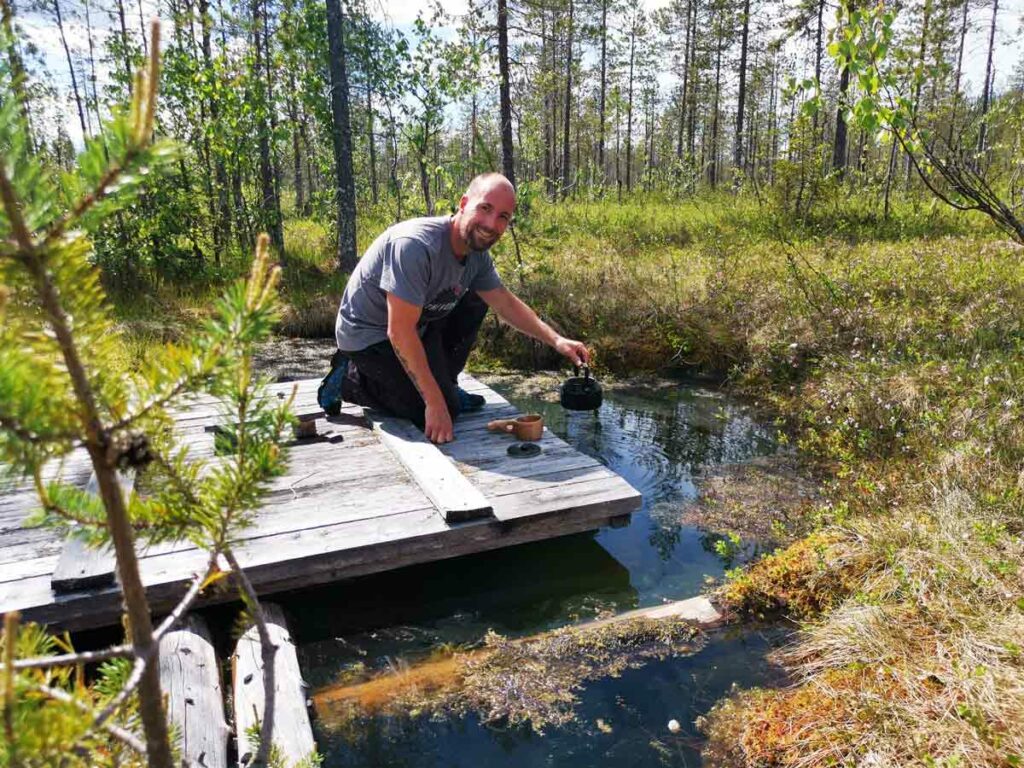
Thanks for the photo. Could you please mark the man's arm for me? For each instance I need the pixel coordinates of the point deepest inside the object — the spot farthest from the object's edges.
(402, 319)
(518, 314)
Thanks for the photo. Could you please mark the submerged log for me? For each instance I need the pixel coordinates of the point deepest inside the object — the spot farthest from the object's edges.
(437, 675)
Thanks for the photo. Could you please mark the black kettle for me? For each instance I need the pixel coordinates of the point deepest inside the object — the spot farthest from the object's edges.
(581, 393)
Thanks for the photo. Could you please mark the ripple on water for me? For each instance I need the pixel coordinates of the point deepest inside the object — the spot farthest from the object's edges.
(662, 440)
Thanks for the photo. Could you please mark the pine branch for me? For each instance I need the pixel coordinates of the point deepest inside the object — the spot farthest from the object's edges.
(74, 659)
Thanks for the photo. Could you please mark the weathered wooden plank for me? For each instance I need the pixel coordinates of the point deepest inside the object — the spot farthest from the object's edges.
(346, 509)
(293, 734)
(484, 470)
(318, 556)
(81, 566)
(190, 680)
(453, 496)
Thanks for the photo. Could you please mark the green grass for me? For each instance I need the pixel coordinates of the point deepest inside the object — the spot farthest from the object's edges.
(890, 350)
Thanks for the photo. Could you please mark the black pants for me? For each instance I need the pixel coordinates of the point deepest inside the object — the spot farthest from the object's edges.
(377, 378)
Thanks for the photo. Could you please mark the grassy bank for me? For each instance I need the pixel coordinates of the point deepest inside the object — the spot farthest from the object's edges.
(896, 364)
(891, 353)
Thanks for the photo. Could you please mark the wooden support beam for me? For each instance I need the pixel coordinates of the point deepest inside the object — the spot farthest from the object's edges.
(293, 734)
(190, 680)
(448, 490)
(81, 566)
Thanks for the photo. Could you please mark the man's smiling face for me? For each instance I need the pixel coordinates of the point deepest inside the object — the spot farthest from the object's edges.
(485, 213)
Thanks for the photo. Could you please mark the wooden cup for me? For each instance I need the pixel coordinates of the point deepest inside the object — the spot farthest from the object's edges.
(528, 427)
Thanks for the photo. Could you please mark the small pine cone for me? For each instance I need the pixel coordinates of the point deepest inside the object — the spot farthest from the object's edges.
(136, 454)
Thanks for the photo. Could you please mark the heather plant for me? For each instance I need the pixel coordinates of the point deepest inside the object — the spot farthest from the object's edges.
(64, 388)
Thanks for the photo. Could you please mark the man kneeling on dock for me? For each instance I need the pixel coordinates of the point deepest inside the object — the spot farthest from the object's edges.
(412, 308)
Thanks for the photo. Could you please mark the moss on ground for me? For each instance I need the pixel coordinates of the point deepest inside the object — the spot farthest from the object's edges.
(531, 682)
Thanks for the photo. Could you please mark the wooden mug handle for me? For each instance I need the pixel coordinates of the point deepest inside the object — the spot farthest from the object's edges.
(501, 425)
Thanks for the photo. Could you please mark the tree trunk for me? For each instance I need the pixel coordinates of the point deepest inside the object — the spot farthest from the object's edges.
(341, 132)
(742, 96)
(568, 107)
(71, 69)
(275, 159)
(293, 114)
(629, 109)
(270, 205)
(839, 144)
(151, 709)
(818, 51)
(713, 169)
(92, 67)
(691, 126)
(959, 71)
(604, 85)
(507, 160)
(548, 127)
(684, 93)
(371, 141)
(124, 47)
(986, 90)
(922, 50)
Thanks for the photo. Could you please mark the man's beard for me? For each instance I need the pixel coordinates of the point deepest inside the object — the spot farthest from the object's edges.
(479, 241)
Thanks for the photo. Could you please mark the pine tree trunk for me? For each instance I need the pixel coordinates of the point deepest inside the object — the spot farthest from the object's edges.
(124, 47)
(548, 127)
(629, 109)
(742, 96)
(92, 67)
(371, 141)
(986, 90)
(684, 93)
(508, 166)
(270, 206)
(293, 113)
(839, 144)
(922, 50)
(568, 107)
(71, 69)
(959, 71)
(713, 177)
(151, 709)
(691, 129)
(345, 190)
(603, 90)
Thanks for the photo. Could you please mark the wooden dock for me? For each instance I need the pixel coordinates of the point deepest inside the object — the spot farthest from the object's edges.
(365, 495)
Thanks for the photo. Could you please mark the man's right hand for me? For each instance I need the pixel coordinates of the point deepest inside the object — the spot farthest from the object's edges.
(438, 424)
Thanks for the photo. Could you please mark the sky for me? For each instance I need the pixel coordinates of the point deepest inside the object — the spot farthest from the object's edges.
(42, 32)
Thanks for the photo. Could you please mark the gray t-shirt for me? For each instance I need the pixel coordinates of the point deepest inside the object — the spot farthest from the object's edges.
(413, 260)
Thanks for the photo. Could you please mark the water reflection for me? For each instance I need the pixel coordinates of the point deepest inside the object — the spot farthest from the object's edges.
(660, 441)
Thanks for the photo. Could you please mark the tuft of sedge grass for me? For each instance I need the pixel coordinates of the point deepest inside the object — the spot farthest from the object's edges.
(920, 660)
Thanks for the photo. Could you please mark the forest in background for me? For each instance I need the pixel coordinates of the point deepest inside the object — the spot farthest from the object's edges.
(308, 109)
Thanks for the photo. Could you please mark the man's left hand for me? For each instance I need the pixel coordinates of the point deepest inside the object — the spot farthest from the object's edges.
(576, 351)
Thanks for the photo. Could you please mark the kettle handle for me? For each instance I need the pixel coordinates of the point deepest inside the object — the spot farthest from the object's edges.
(576, 370)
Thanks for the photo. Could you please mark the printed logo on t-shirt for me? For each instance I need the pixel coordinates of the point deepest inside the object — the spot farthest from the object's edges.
(442, 304)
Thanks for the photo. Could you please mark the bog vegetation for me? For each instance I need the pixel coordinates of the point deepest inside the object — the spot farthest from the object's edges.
(814, 207)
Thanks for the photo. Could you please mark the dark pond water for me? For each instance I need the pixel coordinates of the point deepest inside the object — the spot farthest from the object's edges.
(661, 441)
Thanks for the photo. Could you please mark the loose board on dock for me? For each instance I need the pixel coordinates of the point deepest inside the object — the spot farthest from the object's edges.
(348, 505)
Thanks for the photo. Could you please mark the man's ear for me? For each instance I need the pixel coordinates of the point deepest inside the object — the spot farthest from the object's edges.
(462, 203)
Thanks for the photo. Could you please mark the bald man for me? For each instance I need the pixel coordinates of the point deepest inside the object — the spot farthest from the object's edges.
(413, 306)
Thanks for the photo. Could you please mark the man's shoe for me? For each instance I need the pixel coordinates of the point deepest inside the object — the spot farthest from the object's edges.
(329, 393)
(469, 401)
